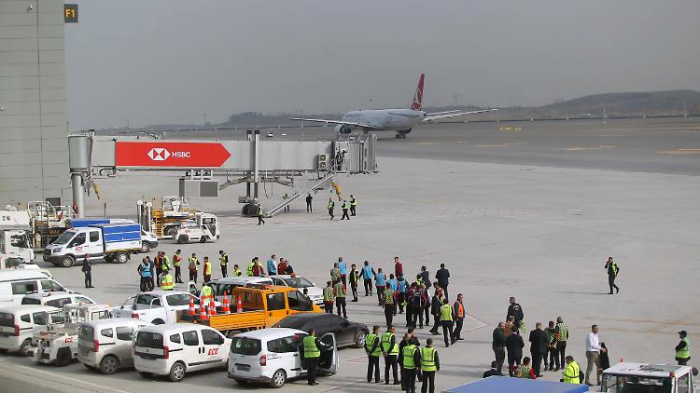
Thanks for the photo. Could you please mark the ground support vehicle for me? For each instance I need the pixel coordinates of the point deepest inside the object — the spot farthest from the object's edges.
(156, 307)
(18, 324)
(204, 227)
(107, 345)
(56, 299)
(15, 238)
(148, 239)
(111, 242)
(648, 378)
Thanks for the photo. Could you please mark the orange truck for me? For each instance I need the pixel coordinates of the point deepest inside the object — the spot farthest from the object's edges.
(262, 307)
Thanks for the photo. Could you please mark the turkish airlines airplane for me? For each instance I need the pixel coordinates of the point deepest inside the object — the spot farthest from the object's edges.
(400, 120)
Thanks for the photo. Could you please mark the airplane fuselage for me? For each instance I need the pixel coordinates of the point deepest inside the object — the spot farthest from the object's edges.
(386, 119)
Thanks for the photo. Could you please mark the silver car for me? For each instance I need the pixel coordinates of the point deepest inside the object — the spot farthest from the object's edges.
(106, 345)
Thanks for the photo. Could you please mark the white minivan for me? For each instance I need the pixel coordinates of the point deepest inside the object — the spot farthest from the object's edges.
(177, 349)
(107, 344)
(56, 299)
(273, 356)
(17, 325)
(15, 284)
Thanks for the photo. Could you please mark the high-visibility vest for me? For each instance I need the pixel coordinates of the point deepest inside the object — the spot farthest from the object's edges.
(381, 279)
(207, 268)
(339, 289)
(525, 372)
(427, 359)
(237, 272)
(353, 202)
(166, 282)
(335, 274)
(145, 270)
(446, 313)
(419, 280)
(562, 332)
(345, 206)
(613, 267)
(685, 352)
(389, 296)
(166, 263)
(331, 205)
(177, 260)
(459, 310)
(249, 269)
(193, 263)
(386, 342)
(367, 272)
(571, 373)
(223, 259)
(328, 294)
(369, 343)
(310, 349)
(409, 351)
(206, 294)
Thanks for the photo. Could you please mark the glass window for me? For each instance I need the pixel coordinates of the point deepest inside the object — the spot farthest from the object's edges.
(51, 286)
(684, 384)
(275, 301)
(299, 302)
(80, 299)
(24, 287)
(8, 320)
(175, 338)
(180, 299)
(25, 318)
(59, 303)
(30, 300)
(245, 346)
(125, 333)
(282, 345)
(94, 236)
(57, 317)
(107, 333)
(298, 282)
(210, 337)
(149, 339)
(86, 332)
(79, 240)
(190, 338)
(19, 241)
(64, 238)
(40, 318)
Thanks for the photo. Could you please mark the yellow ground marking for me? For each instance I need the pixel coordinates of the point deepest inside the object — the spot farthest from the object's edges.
(602, 147)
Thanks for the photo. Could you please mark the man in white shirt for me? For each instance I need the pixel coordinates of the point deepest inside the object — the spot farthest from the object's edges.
(592, 354)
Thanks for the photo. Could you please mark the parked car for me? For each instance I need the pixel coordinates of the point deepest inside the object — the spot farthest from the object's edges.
(315, 293)
(18, 324)
(56, 299)
(106, 345)
(15, 284)
(347, 334)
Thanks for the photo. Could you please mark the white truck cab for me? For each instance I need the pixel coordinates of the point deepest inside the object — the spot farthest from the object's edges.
(157, 307)
(112, 242)
(15, 238)
(648, 378)
(177, 349)
(203, 228)
(273, 356)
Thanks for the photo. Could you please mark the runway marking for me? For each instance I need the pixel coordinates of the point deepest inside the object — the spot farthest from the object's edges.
(32, 372)
(495, 145)
(679, 151)
(602, 147)
(613, 135)
(332, 388)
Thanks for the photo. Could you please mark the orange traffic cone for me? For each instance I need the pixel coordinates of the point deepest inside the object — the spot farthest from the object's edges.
(212, 308)
(192, 311)
(226, 308)
(203, 317)
(239, 306)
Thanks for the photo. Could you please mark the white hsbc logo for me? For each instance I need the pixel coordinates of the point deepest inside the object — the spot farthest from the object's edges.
(162, 154)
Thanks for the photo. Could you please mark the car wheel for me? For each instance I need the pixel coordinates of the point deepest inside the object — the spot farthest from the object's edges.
(67, 261)
(63, 357)
(145, 247)
(360, 338)
(109, 365)
(182, 239)
(278, 379)
(203, 239)
(24, 347)
(177, 373)
(145, 374)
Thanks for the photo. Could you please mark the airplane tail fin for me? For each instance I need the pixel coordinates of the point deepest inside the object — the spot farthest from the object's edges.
(418, 96)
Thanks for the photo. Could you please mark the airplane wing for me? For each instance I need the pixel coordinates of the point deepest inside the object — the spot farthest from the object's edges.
(450, 114)
(345, 123)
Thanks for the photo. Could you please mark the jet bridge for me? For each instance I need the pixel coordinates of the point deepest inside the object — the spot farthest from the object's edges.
(211, 166)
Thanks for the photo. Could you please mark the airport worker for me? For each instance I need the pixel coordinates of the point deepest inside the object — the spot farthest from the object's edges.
(389, 306)
(526, 371)
(312, 355)
(410, 360)
(435, 305)
(374, 351)
(258, 269)
(368, 276)
(237, 271)
(193, 264)
(398, 267)
(458, 312)
(429, 365)
(345, 207)
(498, 344)
(683, 349)
(207, 294)
(261, 215)
(166, 266)
(407, 338)
(353, 205)
(613, 270)
(158, 262)
(571, 372)
(284, 198)
(562, 339)
(343, 266)
(328, 297)
(152, 268)
(354, 281)
(309, 199)
(380, 283)
(335, 273)
(87, 271)
(331, 207)
(593, 350)
(447, 322)
(516, 311)
(272, 265)
(223, 263)
(552, 352)
(514, 344)
(443, 278)
(166, 282)
(145, 274)
(251, 267)
(339, 293)
(538, 347)
(402, 286)
(390, 349)
(207, 270)
(177, 262)
(391, 282)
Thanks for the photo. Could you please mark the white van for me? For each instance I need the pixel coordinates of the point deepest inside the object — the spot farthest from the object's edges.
(107, 344)
(17, 325)
(273, 356)
(15, 284)
(56, 299)
(177, 349)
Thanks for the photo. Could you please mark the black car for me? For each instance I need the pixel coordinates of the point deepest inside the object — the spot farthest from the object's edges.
(347, 334)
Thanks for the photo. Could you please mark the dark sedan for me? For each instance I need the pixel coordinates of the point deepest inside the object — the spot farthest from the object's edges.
(347, 334)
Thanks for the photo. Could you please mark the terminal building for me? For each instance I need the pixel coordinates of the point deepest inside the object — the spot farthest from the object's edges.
(33, 121)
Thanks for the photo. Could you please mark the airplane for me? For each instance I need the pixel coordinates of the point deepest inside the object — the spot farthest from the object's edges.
(400, 120)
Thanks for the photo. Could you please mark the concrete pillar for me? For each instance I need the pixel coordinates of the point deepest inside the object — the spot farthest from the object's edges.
(78, 193)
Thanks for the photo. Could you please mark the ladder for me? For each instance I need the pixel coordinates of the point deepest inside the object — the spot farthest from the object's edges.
(296, 193)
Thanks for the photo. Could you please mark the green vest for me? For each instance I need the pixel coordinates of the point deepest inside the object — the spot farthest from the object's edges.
(571, 373)
(563, 330)
(237, 272)
(193, 263)
(166, 263)
(339, 289)
(386, 341)
(206, 293)
(249, 269)
(409, 351)
(525, 370)
(369, 343)
(331, 204)
(328, 294)
(389, 296)
(445, 313)
(427, 359)
(685, 352)
(335, 274)
(223, 260)
(207, 268)
(166, 282)
(310, 349)
(345, 206)
(353, 202)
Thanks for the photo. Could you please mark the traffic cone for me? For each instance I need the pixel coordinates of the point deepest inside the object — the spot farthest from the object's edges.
(203, 317)
(226, 308)
(212, 308)
(239, 306)
(192, 311)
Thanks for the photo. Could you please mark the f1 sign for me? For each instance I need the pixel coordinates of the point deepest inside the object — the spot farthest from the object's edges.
(171, 154)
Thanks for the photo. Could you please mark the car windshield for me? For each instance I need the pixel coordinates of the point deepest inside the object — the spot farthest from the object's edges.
(86, 332)
(298, 282)
(64, 238)
(149, 339)
(245, 346)
(144, 301)
(635, 384)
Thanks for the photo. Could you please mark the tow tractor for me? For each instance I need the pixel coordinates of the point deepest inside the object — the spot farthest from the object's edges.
(58, 344)
(648, 378)
(203, 228)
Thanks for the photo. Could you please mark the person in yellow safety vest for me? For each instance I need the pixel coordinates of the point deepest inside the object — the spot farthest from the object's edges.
(390, 349)
(207, 270)
(683, 349)
(223, 263)
(389, 305)
(410, 360)
(339, 293)
(311, 354)
(429, 365)
(572, 371)
(177, 261)
(447, 322)
(207, 295)
(165, 266)
(353, 205)
(193, 267)
(331, 206)
(237, 271)
(251, 267)
(374, 351)
(166, 282)
(328, 297)
(458, 311)
(613, 270)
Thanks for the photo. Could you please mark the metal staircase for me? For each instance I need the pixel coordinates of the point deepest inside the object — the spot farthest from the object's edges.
(307, 187)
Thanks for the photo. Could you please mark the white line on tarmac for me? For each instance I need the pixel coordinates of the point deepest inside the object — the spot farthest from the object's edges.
(102, 387)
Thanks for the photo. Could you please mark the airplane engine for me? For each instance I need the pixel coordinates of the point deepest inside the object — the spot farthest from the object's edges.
(343, 129)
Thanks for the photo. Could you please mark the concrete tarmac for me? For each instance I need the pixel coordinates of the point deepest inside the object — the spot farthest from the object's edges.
(539, 233)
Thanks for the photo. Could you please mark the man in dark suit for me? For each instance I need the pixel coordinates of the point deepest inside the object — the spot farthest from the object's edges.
(538, 347)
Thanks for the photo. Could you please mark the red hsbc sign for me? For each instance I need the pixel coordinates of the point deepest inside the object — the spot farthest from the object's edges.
(171, 154)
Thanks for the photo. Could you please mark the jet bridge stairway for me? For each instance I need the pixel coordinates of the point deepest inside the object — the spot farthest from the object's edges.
(315, 184)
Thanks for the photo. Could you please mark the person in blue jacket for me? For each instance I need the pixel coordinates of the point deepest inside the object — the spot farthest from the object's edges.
(368, 275)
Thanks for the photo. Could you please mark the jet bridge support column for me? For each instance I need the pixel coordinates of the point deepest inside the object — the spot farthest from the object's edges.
(79, 153)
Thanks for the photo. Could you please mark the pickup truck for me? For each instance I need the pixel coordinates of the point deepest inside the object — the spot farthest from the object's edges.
(263, 306)
(111, 242)
(642, 377)
(148, 239)
(156, 307)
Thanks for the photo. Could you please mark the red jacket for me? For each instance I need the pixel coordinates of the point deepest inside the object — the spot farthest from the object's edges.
(398, 269)
(258, 271)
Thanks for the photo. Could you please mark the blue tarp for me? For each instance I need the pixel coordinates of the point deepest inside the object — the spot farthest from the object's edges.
(114, 233)
(511, 385)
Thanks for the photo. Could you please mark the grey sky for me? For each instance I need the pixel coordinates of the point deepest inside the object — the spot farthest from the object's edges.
(171, 61)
